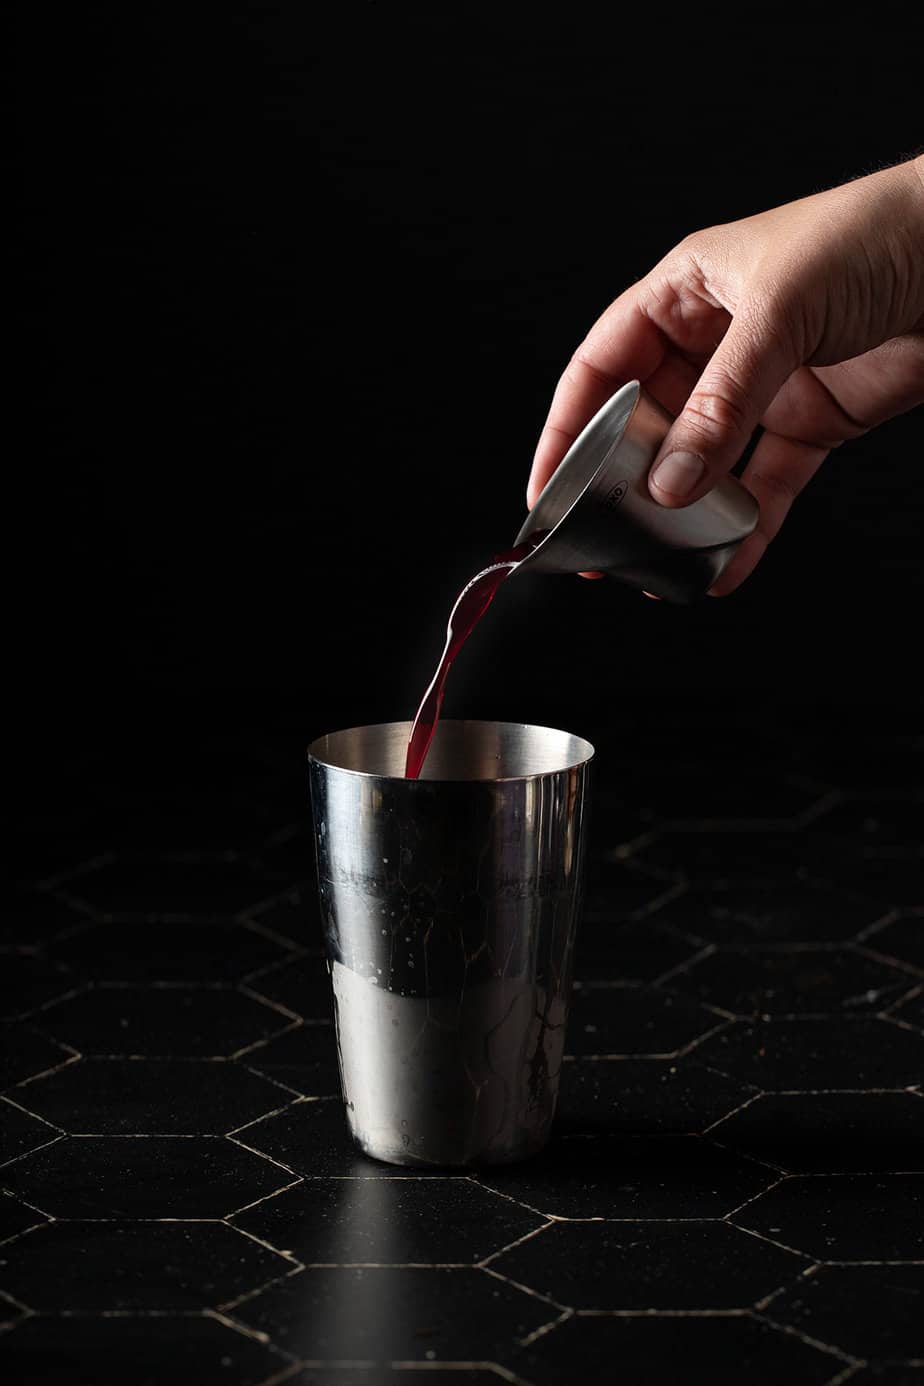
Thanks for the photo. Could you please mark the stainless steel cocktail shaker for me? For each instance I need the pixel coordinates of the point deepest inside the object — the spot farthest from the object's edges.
(449, 906)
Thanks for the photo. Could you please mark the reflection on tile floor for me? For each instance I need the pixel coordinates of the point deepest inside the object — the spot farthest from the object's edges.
(735, 1191)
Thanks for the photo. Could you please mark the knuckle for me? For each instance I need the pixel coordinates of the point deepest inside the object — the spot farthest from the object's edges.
(715, 410)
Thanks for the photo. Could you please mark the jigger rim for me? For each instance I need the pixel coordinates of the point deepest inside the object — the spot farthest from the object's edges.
(623, 405)
(334, 750)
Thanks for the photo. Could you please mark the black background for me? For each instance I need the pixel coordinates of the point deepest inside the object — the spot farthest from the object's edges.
(297, 287)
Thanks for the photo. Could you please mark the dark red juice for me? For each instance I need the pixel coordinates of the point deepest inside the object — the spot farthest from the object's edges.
(470, 605)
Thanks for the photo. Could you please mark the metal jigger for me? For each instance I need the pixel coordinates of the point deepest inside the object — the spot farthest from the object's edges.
(602, 518)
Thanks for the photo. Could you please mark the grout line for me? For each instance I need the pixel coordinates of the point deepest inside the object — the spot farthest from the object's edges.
(759, 1236)
(748, 1201)
(267, 1246)
(25, 1155)
(546, 1328)
(845, 1357)
(755, 1097)
(526, 1289)
(263, 1156)
(246, 1207)
(247, 1295)
(527, 1236)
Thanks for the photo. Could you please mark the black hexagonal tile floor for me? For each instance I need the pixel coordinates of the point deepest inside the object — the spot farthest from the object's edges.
(632, 1177)
(871, 820)
(640, 951)
(848, 1217)
(168, 952)
(293, 916)
(152, 1097)
(32, 917)
(680, 792)
(143, 1350)
(387, 1315)
(812, 1054)
(304, 1059)
(792, 981)
(102, 1266)
(634, 1020)
(143, 1177)
(436, 1375)
(21, 1132)
(620, 891)
(389, 1220)
(210, 886)
(25, 1053)
(11, 1313)
(649, 1265)
(644, 1096)
(910, 1011)
(15, 1216)
(311, 1138)
(714, 1351)
(870, 1311)
(301, 985)
(29, 980)
(902, 938)
(834, 1132)
(794, 910)
(724, 854)
(889, 1375)
(162, 1022)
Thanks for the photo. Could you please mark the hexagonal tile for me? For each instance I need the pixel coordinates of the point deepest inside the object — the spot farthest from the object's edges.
(726, 854)
(901, 937)
(640, 951)
(870, 1311)
(910, 1011)
(695, 1351)
(24, 1053)
(67, 1351)
(808, 1133)
(21, 1131)
(10, 1313)
(32, 917)
(390, 1221)
(28, 980)
(644, 1096)
(895, 881)
(794, 911)
(619, 891)
(682, 793)
(901, 1375)
(304, 1058)
(871, 821)
(848, 1217)
(405, 1314)
(162, 1022)
(790, 981)
(310, 1137)
(301, 985)
(294, 916)
(143, 1177)
(632, 1177)
(152, 1096)
(634, 1020)
(811, 1053)
(168, 952)
(649, 1265)
(98, 1266)
(15, 1217)
(209, 886)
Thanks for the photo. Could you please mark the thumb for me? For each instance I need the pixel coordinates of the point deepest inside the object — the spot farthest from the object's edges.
(749, 367)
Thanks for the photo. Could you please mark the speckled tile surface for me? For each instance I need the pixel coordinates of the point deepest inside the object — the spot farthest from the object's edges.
(735, 1190)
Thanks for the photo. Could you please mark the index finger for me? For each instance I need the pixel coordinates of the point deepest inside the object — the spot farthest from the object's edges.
(623, 344)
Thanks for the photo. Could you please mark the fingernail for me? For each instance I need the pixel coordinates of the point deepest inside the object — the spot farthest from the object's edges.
(678, 473)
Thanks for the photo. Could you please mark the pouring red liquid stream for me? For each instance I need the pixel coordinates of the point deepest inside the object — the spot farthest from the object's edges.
(469, 607)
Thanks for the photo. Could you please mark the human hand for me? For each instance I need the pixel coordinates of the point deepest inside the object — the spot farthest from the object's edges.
(807, 319)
